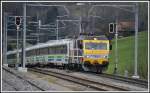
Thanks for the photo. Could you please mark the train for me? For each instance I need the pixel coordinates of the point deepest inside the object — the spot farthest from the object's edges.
(88, 53)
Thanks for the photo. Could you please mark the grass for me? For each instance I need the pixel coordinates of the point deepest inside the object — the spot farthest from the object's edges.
(126, 55)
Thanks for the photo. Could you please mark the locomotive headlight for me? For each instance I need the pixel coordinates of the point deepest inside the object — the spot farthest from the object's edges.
(87, 56)
(105, 56)
(92, 56)
(96, 56)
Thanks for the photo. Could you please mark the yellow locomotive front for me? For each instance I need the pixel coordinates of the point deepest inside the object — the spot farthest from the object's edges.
(95, 55)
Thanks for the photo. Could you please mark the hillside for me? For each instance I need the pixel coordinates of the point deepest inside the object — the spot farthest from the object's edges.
(126, 55)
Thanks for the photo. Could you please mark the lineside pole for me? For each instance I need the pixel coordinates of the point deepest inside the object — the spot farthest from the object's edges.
(80, 28)
(23, 69)
(39, 25)
(136, 43)
(24, 36)
(116, 44)
(57, 29)
(116, 50)
(5, 41)
(17, 47)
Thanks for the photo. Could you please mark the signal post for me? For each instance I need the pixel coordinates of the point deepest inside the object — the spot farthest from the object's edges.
(113, 29)
(23, 61)
(17, 21)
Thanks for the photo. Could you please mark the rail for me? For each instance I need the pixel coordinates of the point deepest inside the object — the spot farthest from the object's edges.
(98, 86)
(138, 82)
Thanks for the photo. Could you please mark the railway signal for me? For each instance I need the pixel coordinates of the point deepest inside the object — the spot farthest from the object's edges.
(17, 21)
(111, 28)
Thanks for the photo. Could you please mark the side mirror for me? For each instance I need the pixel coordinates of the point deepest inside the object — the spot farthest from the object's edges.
(110, 47)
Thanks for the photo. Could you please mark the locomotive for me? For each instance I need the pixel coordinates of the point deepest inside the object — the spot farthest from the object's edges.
(89, 53)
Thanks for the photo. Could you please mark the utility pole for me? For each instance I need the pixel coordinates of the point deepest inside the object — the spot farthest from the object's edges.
(5, 41)
(17, 47)
(39, 25)
(136, 43)
(57, 29)
(24, 36)
(23, 69)
(116, 50)
(38, 28)
(116, 44)
(80, 29)
(81, 16)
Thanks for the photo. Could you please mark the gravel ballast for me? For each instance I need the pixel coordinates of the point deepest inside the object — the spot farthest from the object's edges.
(11, 82)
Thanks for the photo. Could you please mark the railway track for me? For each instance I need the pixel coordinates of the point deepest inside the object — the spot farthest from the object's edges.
(12, 86)
(98, 86)
(20, 77)
(138, 82)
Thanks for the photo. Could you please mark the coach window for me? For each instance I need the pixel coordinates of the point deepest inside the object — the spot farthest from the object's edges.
(37, 51)
(40, 51)
(54, 48)
(27, 53)
(60, 50)
(32, 52)
(43, 51)
(64, 49)
(49, 50)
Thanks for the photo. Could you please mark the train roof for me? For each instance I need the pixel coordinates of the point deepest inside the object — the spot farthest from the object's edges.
(84, 37)
(43, 45)
(57, 42)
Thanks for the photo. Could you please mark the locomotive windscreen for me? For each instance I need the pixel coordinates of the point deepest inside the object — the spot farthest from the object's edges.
(95, 46)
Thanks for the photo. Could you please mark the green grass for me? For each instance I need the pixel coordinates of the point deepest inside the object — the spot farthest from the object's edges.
(126, 55)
